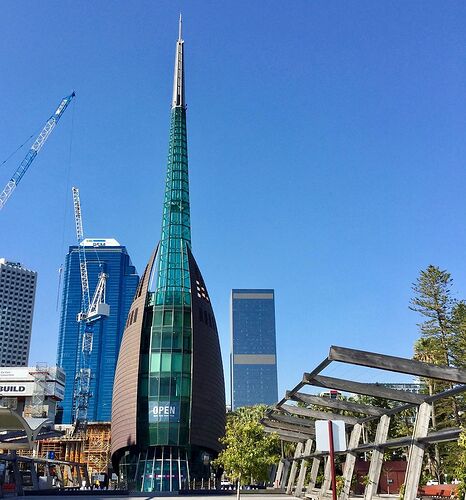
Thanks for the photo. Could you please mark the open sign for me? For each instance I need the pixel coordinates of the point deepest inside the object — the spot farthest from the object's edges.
(164, 411)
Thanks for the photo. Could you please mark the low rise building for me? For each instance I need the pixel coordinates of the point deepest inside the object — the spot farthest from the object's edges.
(32, 391)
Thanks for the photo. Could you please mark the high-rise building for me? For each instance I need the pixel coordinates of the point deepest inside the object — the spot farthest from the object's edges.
(169, 397)
(17, 294)
(107, 255)
(253, 357)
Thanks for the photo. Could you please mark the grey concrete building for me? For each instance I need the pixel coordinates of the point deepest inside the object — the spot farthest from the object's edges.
(17, 294)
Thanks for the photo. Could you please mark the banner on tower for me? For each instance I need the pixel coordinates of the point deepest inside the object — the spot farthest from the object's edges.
(164, 411)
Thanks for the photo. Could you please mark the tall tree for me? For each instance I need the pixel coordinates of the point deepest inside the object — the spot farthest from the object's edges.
(443, 318)
(433, 300)
(458, 346)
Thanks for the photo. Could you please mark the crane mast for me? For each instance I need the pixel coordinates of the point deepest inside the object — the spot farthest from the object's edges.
(91, 310)
(34, 150)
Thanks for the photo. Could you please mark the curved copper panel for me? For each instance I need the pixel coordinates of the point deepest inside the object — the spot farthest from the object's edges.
(125, 387)
(208, 387)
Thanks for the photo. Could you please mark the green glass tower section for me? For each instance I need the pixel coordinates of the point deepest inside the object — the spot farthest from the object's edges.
(168, 407)
(169, 369)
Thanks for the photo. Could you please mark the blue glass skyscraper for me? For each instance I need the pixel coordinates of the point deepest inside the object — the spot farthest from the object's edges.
(253, 358)
(102, 255)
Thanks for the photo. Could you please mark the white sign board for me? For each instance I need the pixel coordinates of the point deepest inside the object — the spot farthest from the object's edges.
(322, 435)
(10, 374)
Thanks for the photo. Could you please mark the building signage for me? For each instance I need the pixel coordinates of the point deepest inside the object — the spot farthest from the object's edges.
(164, 411)
(12, 390)
(99, 242)
(20, 381)
(10, 374)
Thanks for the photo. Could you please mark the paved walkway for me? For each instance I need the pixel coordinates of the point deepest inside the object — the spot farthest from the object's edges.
(245, 496)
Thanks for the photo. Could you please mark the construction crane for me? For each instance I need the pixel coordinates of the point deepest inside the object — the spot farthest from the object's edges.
(35, 148)
(91, 310)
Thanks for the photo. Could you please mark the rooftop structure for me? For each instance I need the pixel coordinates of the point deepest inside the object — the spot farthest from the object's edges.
(169, 401)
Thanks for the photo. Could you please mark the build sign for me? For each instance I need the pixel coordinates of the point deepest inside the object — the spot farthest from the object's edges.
(164, 411)
(16, 389)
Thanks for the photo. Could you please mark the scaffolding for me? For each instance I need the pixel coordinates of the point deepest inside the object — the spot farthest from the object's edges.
(97, 447)
(40, 374)
(91, 448)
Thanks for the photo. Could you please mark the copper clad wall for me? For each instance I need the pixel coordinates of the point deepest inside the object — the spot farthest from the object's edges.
(208, 386)
(125, 388)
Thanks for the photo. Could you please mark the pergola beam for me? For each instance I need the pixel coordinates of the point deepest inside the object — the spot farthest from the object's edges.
(319, 415)
(336, 404)
(396, 364)
(305, 431)
(450, 434)
(293, 437)
(288, 419)
(374, 390)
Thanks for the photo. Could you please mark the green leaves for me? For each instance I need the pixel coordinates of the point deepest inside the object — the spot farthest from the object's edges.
(443, 342)
(249, 451)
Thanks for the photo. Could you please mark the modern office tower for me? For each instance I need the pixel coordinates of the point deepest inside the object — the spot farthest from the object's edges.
(104, 254)
(169, 397)
(17, 293)
(253, 357)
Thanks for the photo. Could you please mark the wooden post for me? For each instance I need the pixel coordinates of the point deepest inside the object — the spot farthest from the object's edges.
(375, 467)
(350, 461)
(286, 469)
(314, 471)
(294, 466)
(327, 479)
(416, 452)
(303, 469)
(278, 474)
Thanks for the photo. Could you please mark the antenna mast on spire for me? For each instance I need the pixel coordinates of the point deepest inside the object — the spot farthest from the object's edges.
(179, 27)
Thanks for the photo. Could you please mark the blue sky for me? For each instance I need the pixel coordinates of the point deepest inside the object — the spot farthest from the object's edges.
(326, 144)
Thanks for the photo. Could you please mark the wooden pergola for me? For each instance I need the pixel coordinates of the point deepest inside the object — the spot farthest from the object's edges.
(297, 423)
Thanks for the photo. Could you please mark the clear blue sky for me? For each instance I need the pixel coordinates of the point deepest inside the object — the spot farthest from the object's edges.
(326, 143)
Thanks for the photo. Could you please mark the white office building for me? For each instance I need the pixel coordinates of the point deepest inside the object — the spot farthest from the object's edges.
(17, 293)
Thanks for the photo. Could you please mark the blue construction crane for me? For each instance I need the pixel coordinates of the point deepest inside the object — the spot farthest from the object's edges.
(91, 310)
(35, 148)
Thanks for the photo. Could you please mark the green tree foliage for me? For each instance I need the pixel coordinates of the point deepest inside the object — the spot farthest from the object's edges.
(458, 341)
(444, 320)
(443, 342)
(433, 300)
(249, 451)
(461, 465)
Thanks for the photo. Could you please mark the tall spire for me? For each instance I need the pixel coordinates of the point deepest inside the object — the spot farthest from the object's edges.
(178, 80)
(173, 273)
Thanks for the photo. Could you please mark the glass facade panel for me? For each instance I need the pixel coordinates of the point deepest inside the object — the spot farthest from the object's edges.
(169, 370)
(253, 356)
(121, 286)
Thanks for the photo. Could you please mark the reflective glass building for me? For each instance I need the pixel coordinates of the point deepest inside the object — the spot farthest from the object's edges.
(107, 255)
(253, 357)
(169, 397)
